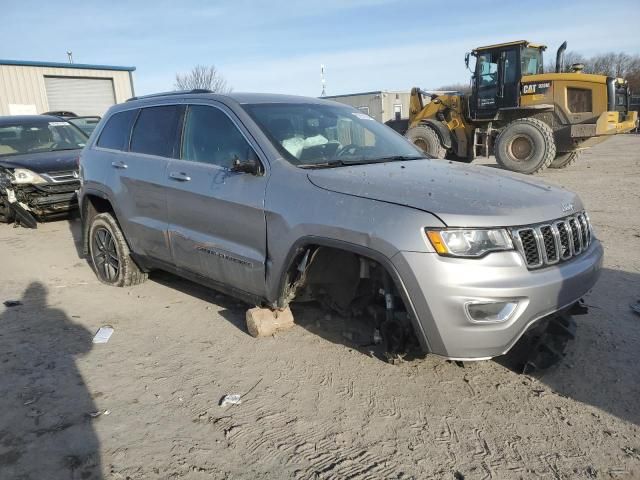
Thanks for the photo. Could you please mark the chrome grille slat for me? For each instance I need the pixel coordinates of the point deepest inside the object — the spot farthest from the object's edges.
(576, 235)
(548, 244)
(558, 241)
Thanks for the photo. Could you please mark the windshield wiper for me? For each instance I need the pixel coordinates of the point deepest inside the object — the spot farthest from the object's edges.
(329, 164)
(63, 149)
(397, 158)
(362, 161)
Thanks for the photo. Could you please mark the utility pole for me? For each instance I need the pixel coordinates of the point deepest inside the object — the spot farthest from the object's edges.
(324, 83)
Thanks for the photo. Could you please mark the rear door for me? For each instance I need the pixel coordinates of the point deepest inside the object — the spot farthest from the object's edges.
(138, 180)
(216, 216)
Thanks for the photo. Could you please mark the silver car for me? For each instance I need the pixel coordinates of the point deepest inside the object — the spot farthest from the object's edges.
(275, 199)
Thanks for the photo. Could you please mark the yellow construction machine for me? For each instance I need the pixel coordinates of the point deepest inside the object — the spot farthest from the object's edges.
(528, 119)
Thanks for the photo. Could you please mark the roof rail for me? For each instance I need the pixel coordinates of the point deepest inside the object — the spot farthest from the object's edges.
(166, 94)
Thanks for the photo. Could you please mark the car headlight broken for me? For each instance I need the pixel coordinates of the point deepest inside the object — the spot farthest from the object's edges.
(22, 176)
(469, 242)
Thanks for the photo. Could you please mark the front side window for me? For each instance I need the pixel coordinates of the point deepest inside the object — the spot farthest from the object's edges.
(115, 134)
(40, 136)
(531, 61)
(155, 131)
(510, 67)
(314, 134)
(488, 69)
(211, 137)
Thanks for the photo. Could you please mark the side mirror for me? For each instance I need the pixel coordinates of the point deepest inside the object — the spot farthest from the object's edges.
(251, 165)
(466, 59)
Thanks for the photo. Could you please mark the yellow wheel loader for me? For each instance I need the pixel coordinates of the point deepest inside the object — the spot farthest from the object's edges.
(528, 119)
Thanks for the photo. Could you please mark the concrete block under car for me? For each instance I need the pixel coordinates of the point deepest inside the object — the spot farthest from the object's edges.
(263, 322)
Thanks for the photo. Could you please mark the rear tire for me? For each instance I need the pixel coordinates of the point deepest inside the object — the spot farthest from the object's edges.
(426, 138)
(110, 255)
(6, 214)
(563, 160)
(526, 146)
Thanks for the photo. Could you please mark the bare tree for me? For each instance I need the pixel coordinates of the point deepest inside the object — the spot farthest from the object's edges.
(202, 77)
(611, 64)
(456, 87)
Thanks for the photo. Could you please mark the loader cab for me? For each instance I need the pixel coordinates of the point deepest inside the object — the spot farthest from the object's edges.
(497, 74)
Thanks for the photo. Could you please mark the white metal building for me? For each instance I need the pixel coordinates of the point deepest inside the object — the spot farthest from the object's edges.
(28, 88)
(381, 105)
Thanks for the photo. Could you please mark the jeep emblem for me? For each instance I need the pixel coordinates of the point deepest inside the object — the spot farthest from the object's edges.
(567, 207)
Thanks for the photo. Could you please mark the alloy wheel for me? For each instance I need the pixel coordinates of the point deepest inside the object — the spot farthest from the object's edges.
(105, 255)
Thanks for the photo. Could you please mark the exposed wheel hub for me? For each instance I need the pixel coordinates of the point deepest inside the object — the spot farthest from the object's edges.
(521, 148)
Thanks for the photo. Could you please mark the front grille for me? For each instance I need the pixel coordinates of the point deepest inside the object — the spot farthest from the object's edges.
(59, 188)
(63, 176)
(559, 241)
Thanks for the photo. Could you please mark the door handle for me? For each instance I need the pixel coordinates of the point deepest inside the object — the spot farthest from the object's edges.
(119, 164)
(179, 176)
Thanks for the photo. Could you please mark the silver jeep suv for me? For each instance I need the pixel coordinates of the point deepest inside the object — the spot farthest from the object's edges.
(275, 199)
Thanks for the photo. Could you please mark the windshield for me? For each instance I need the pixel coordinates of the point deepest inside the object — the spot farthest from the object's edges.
(39, 136)
(531, 61)
(311, 135)
(86, 124)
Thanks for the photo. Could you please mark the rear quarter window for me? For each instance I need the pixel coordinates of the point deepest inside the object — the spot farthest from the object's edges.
(115, 134)
(156, 131)
(579, 100)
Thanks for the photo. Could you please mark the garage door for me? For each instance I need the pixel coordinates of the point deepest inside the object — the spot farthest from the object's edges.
(82, 96)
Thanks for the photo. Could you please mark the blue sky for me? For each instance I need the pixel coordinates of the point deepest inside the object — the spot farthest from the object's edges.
(278, 46)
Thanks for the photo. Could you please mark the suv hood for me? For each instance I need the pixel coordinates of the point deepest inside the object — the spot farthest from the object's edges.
(43, 162)
(460, 195)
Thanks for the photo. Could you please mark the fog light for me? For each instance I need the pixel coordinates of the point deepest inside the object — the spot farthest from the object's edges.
(490, 312)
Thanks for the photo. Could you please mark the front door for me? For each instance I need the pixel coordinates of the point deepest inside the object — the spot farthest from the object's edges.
(496, 82)
(217, 224)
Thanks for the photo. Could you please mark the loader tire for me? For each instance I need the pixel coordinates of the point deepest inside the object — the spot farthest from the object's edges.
(427, 140)
(526, 146)
(563, 160)
(6, 214)
(110, 255)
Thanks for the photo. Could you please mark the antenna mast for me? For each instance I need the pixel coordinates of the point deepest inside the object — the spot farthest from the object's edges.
(324, 83)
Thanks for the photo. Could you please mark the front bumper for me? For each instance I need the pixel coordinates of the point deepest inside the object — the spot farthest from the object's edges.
(29, 202)
(438, 288)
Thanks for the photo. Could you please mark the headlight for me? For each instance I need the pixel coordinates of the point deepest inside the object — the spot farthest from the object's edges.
(469, 243)
(22, 176)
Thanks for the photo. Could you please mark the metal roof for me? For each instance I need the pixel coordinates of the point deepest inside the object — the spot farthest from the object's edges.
(31, 63)
(508, 44)
(19, 119)
(378, 92)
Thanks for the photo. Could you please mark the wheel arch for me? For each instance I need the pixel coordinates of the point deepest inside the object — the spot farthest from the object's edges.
(304, 244)
(443, 132)
(92, 203)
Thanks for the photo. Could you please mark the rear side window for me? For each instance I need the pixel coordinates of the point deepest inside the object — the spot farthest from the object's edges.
(579, 100)
(156, 130)
(115, 134)
(211, 137)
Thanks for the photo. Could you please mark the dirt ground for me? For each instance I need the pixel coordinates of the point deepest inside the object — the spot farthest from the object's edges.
(145, 404)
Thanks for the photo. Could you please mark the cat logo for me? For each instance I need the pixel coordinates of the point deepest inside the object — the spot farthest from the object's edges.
(533, 88)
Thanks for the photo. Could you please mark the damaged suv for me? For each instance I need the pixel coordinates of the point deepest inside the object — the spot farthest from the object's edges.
(276, 199)
(38, 167)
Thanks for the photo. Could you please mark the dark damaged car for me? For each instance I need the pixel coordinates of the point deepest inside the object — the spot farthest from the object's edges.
(38, 168)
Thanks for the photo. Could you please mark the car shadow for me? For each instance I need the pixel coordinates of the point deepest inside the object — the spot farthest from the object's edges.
(600, 365)
(46, 408)
(232, 309)
(74, 223)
